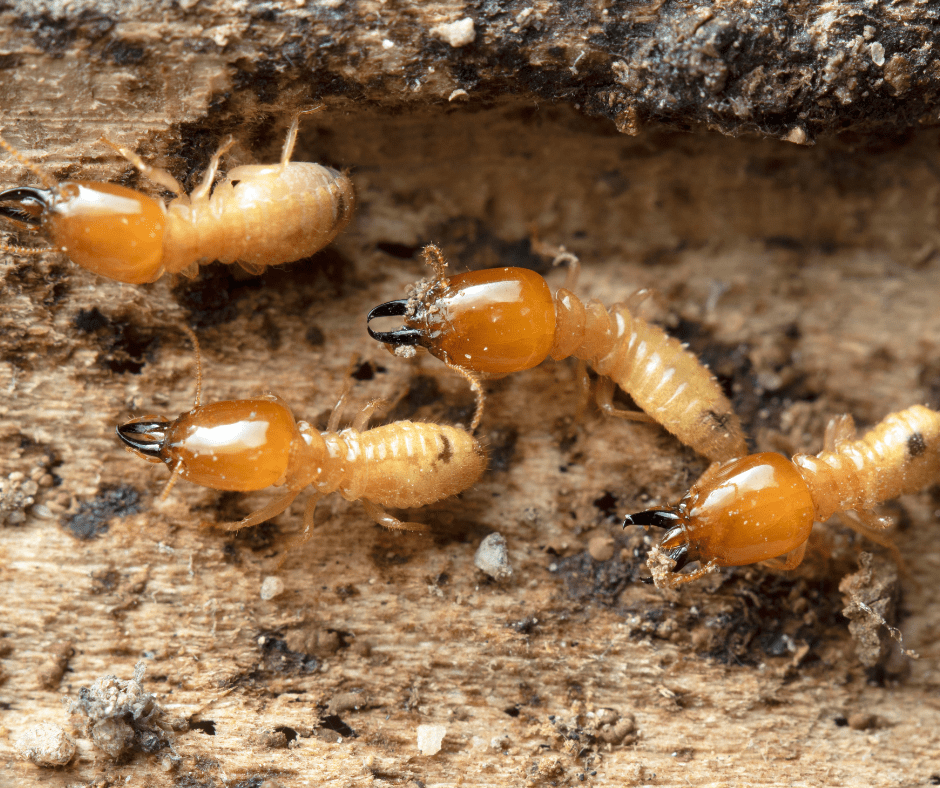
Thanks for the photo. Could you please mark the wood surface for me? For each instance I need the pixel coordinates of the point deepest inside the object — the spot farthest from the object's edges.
(807, 276)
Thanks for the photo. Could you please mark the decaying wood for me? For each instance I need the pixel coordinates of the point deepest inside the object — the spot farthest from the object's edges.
(806, 276)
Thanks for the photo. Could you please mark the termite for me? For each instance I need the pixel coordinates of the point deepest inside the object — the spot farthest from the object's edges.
(260, 215)
(763, 506)
(502, 320)
(250, 444)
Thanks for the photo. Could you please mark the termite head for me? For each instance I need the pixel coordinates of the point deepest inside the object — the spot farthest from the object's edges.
(496, 321)
(106, 228)
(230, 445)
(675, 543)
(741, 512)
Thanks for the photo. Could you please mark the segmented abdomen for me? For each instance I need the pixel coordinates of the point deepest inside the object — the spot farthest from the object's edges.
(900, 455)
(664, 379)
(272, 214)
(409, 464)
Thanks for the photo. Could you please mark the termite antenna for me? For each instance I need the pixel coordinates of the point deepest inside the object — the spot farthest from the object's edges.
(195, 340)
(24, 249)
(476, 388)
(47, 180)
(434, 257)
(171, 483)
(291, 140)
(400, 336)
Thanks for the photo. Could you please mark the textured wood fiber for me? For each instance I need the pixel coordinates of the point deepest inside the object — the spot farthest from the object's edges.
(807, 276)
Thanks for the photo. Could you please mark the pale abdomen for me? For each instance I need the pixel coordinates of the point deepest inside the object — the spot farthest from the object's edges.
(900, 455)
(261, 216)
(673, 386)
(408, 464)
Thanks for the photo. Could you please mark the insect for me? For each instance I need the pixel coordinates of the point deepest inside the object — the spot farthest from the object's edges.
(251, 444)
(503, 320)
(763, 506)
(260, 215)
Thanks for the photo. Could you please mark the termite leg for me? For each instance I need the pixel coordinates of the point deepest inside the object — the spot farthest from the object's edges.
(362, 418)
(333, 424)
(605, 401)
(871, 526)
(307, 534)
(793, 559)
(202, 190)
(156, 174)
(681, 579)
(563, 256)
(383, 518)
(635, 300)
(273, 509)
(584, 389)
(839, 430)
(291, 140)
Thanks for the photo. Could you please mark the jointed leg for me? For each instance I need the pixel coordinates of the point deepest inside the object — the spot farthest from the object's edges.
(871, 526)
(307, 534)
(158, 175)
(635, 300)
(202, 190)
(292, 133)
(273, 509)
(839, 430)
(605, 401)
(383, 518)
(574, 266)
(337, 411)
(793, 559)
(362, 418)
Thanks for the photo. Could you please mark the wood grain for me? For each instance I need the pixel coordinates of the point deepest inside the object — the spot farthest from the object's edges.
(806, 276)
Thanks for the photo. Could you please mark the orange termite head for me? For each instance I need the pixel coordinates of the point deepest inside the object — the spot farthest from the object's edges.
(741, 512)
(230, 445)
(108, 229)
(497, 320)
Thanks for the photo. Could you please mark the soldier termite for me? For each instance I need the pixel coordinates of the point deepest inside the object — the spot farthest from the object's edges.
(260, 215)
(251, 444)
(763, 506)
(503, 320)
